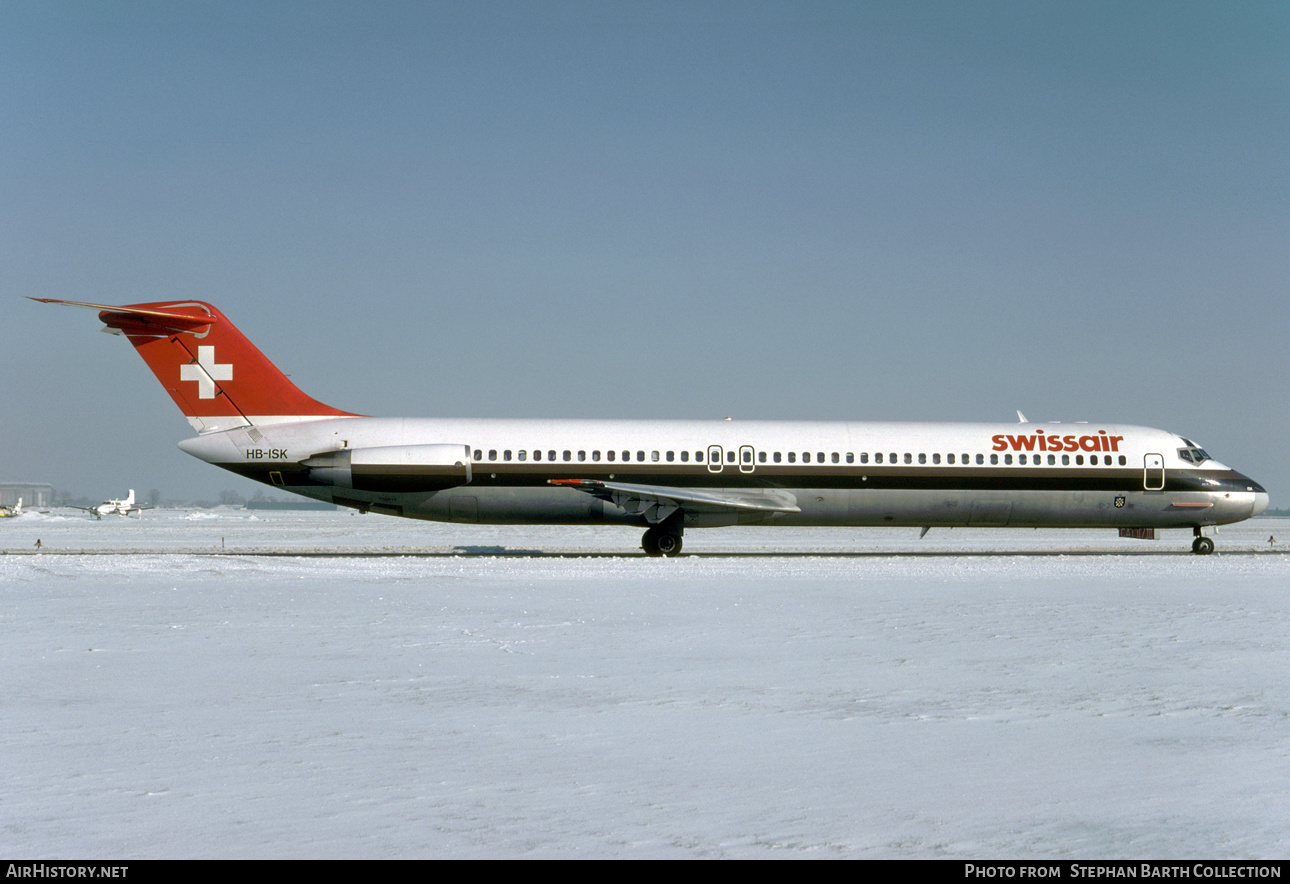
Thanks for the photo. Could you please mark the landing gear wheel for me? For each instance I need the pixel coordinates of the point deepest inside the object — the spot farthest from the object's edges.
(649, 543)
(1202, 546)
(658, 543)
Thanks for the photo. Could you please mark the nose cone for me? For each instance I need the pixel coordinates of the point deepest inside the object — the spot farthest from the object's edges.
(1255, 493)
(1260, 495)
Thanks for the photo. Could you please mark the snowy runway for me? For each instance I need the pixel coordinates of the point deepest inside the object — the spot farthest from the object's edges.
(175, 705)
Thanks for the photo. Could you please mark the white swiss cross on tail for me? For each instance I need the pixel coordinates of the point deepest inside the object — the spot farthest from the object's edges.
(206, 372)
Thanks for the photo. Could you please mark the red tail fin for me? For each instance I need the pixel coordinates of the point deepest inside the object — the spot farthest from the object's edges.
(217, 377)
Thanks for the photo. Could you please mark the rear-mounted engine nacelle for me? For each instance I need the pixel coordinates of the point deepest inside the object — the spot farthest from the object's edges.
(393, 468)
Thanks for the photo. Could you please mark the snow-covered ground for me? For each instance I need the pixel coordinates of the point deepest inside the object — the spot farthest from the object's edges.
(170, 703)
(229, 529)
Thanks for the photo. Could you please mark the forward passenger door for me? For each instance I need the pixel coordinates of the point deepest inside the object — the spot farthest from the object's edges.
(1153, 473)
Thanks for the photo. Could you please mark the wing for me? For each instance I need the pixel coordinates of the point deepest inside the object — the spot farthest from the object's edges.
(657, 502)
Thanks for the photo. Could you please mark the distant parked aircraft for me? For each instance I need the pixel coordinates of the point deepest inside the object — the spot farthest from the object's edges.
(9, 512)
(115, 507)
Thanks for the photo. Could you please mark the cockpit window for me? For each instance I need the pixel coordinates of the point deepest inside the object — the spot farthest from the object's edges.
(1193, 455)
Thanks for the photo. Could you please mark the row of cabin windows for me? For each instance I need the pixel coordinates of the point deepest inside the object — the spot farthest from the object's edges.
(610, 456)
(792, 457)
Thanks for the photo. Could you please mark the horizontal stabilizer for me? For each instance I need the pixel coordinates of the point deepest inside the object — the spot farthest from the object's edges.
(116, 317)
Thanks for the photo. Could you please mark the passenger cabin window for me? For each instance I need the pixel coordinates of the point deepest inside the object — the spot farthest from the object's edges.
(479, 455)
(877, 458)
(506, 455)
(595, 456)
(994, 459)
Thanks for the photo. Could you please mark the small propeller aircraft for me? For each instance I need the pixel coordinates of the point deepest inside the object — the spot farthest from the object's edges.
(115, 507)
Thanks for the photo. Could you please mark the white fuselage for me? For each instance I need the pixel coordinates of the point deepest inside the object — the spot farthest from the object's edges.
(829, 473)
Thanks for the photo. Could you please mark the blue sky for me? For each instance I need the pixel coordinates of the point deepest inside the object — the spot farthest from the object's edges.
(916, 211)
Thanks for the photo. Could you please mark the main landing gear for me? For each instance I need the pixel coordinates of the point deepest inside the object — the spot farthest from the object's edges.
(1201, 546)
(661, 541)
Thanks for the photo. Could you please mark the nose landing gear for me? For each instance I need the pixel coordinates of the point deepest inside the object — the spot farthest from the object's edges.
(1201, 545)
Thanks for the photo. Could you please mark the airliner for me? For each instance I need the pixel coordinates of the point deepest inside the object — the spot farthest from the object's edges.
(666, 476)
